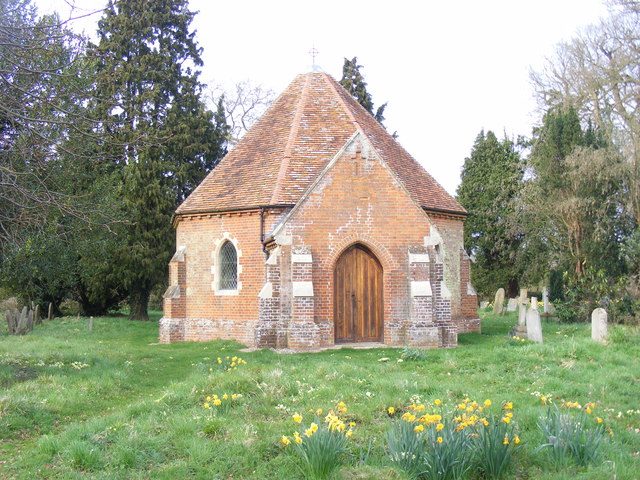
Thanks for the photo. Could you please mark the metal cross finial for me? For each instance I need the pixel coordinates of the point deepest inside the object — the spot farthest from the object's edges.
(314, 53)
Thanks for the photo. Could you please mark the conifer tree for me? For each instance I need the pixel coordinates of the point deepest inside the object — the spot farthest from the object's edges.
(491, 177)
(354, 83)
(158, 134)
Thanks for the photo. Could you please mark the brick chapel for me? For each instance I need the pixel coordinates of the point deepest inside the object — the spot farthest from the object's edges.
(317, 229)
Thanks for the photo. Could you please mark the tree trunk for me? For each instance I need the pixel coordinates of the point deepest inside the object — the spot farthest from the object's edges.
(139, 303)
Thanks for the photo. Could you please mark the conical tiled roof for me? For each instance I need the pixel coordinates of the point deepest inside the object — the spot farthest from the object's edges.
(284, 152)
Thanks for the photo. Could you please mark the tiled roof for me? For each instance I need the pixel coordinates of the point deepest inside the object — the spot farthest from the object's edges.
(284, 152)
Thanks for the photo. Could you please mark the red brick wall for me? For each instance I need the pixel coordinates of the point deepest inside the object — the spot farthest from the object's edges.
(359, 201)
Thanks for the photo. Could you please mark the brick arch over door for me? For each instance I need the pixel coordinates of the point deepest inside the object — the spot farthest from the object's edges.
(358, 296)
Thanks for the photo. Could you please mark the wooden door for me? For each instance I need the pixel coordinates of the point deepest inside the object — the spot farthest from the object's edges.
(358, 312)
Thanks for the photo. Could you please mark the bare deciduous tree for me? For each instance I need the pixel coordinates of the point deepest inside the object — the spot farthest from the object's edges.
(243, 103)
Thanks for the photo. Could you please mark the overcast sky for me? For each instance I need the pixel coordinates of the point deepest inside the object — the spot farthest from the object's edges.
(447, 69)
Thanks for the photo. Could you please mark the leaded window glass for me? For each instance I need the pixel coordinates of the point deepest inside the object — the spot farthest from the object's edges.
(228, 267)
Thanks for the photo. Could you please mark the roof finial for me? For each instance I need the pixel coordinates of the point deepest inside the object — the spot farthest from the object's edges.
(314, 53)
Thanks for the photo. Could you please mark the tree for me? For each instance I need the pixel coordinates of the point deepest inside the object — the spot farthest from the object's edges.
(158, 133)
(491, 179)
(42, 100)
(597, 74)
(242, 105)
(353, 82)
(573, 203)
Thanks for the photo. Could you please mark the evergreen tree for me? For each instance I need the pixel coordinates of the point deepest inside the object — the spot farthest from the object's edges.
(491, 177)
(159, 136)
(573, 204)
(353, 82)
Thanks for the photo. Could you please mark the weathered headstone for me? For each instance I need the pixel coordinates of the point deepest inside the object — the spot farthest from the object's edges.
(545, 301)
(534, 326)
(522, 299)
(498, 302)
(25, 322)
(484, 304)
(534, 303)
(12, 321)
(36, 315)
(521, 327)
(599, 320)
(50, 313)
(90, 324)
(512, 305)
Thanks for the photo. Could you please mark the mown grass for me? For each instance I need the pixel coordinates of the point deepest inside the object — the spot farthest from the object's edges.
(134, 410)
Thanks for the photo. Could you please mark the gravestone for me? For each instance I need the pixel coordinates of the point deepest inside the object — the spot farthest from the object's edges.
(534, 303)
(90, 324)
(498, 302)
(12, 321)
(484, 304)
(36, 315)
(512, 305)
(521, 327)
(524, 293)
(545, 301)
(50, 314)
(534, 326)
(599, 320)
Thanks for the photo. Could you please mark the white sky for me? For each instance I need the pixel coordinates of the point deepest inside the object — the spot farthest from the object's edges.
(447, 69)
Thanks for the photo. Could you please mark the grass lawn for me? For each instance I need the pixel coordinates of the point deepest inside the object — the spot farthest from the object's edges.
(112, 403)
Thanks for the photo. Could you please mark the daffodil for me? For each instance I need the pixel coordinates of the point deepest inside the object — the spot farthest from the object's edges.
(508, 406)
(297, 418)
(439, 440)
(284, 441)
(487, 403)
(439, 427)
(418, 428)
(217, 402)
(391, 410)
(437, 402)
(505, 441)
(516, 440)
(599, 420)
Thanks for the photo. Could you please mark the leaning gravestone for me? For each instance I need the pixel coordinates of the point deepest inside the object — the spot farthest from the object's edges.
(12, 321)
(50, 313)
(484, 304)
(534, 326)
(512, 305)
(36, 315)
(599, 321)
(498, 302)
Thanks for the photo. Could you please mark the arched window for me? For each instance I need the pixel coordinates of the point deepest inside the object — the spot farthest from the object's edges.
(228, 267)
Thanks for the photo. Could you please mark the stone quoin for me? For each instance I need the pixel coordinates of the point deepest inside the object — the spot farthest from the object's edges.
(318, 228)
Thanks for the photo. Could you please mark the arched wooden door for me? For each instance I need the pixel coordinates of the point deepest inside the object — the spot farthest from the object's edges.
(358, 312)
